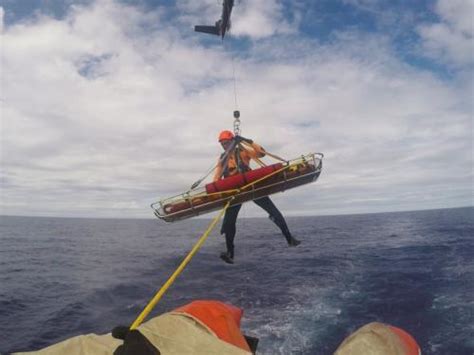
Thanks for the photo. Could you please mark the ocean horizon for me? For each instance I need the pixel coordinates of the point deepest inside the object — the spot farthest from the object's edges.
(209, 217)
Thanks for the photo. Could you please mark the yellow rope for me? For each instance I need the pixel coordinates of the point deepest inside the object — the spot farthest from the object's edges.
(146, 311)
(233, 192)
(178, 271)
(262, 178)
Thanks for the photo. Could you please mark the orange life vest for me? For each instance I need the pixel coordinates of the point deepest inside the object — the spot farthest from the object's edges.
(232, 166)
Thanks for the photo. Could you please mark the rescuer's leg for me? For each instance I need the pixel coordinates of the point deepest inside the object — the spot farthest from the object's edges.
(275, 215)
(229, 229)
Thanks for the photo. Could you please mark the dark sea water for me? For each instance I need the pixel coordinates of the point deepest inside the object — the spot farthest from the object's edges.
(415, 270)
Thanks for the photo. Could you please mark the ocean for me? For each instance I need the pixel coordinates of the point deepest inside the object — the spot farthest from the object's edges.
(61, 277)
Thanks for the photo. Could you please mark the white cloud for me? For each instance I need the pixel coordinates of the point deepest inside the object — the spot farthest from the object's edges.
(451, 39)
(259, 19)
(458, 13)
(111, 107)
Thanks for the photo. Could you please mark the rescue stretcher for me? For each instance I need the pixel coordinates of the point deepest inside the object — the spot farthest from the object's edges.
(240, 188)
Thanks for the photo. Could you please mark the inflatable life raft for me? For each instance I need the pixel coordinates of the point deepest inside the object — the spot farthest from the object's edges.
(379, 339)
(199, 328)
(213, 328)
(240, 188)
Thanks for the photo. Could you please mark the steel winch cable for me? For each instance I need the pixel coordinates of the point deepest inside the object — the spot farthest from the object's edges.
(236, 104)
(235, 84)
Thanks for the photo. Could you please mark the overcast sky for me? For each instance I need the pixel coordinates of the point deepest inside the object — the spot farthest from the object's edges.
(107, 106)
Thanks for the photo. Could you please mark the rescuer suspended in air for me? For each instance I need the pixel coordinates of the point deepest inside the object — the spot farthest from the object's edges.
(236, 160)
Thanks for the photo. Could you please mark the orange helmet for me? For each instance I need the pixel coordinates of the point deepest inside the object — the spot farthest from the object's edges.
(226, 135)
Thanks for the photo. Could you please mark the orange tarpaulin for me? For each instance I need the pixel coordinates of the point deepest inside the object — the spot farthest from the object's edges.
(223, 319)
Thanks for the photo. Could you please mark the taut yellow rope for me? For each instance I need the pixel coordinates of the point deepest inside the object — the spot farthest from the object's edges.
(146, 311)
(178, 271)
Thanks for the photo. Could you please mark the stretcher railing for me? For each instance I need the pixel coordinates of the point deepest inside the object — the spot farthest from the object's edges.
(293, 173)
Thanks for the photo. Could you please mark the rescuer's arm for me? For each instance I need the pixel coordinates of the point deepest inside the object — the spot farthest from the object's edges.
(259, 151)
(256, 150)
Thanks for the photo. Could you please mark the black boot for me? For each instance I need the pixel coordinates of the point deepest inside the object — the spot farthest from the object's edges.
(227, 257)
(293, 242)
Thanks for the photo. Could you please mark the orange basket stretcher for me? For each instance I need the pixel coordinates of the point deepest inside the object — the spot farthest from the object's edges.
(240, 188)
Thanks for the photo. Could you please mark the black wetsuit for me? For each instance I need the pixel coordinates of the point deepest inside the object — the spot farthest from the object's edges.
(230, 218)
(228, 225)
